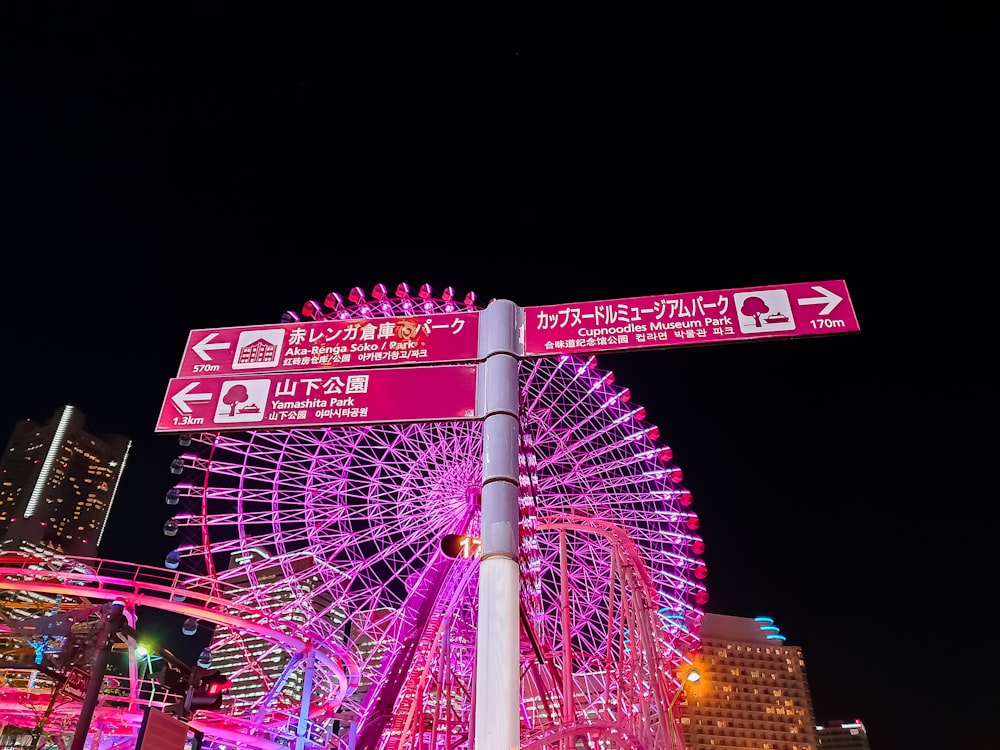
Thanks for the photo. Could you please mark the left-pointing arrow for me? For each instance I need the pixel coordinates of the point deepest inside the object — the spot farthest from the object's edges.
(184, 397)
(202, 347)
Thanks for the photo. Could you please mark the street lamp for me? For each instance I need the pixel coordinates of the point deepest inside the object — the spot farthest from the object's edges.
(143, 652)
(693, 675)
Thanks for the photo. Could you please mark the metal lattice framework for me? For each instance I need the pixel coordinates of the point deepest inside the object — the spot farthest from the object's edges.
(316, 556)
(73, 590)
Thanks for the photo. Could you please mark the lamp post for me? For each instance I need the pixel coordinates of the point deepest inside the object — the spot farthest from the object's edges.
(142, 651)
(693, 675)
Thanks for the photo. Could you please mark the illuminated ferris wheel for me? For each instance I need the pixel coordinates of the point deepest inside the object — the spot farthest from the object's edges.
(343, 536)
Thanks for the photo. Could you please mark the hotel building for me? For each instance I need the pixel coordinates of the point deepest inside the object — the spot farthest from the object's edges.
(753, 694)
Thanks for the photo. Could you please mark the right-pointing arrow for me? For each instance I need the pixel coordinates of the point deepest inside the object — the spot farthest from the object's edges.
(184, 397)
(828, 298)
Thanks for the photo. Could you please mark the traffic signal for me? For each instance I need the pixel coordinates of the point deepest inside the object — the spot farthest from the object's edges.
(177, 683)
(172, 678)
(209, 691)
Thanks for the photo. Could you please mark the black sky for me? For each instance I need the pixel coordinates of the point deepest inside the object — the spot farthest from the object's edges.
(169, 170)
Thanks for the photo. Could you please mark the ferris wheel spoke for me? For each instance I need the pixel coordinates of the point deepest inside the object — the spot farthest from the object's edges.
(348, 522)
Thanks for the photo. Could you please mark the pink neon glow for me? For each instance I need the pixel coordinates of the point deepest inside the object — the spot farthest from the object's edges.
(287, 400)
(339, 341)
(719, 316)
(378, 502)
(324, 544)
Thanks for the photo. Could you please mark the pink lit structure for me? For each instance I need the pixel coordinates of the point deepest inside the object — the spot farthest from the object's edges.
(320, 551)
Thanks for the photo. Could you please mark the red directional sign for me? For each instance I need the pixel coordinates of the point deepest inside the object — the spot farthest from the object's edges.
(261, 401)
(76, 683)
(807, 309)
(329, 344)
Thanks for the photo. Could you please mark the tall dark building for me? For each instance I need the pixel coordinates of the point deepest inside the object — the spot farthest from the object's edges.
(58, 483)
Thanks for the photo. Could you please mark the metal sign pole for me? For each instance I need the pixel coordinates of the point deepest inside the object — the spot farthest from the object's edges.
(497, 722)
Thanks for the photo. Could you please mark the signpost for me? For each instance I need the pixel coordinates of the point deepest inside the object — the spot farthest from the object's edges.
(331, 344)
(716, 317)
(295, 375)
(287, 400)
(76, 683)
(278, 377)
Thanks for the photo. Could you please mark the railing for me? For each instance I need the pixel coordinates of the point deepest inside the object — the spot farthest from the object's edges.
(28, 692)
(193, 595)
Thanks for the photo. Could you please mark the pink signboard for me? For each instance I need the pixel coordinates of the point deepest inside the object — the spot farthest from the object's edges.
(263, 401)
(807, 309)
(329, 344)
(76, 683)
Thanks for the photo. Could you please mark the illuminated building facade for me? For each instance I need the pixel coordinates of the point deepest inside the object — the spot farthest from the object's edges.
(57, 486)
(58, 483)
(753, 694)
(843, 735)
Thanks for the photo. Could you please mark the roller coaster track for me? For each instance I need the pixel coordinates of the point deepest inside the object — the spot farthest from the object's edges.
(209, 600)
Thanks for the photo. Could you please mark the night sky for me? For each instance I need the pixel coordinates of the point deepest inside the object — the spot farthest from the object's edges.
(165, 171)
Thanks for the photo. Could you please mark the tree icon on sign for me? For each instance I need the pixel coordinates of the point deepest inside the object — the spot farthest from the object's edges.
(754, 307)
(234, 397)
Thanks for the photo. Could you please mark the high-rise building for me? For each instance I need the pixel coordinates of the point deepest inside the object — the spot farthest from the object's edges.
(843, 735)
(753, 691)
(58, 483)
(57, 486)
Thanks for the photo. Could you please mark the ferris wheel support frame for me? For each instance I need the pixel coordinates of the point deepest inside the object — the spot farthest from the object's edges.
(495, 706)
(551, 435)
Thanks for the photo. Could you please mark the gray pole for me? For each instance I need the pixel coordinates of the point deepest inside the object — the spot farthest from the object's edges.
(497, 721)
(189, 693)
(113, 620)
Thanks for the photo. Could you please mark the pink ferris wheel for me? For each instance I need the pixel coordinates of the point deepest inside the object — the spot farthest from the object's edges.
(360, 542)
